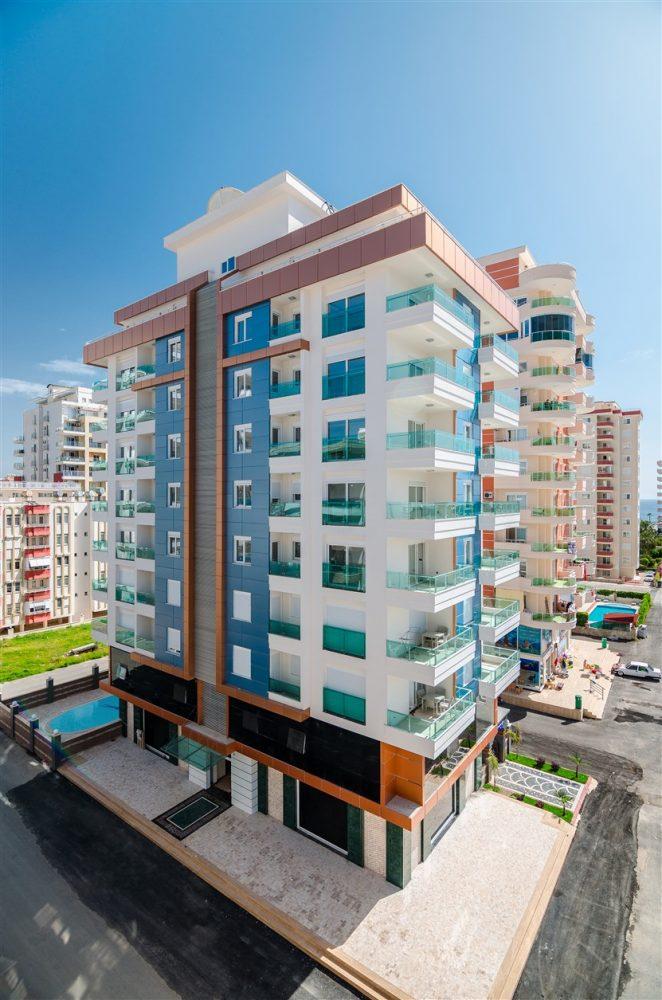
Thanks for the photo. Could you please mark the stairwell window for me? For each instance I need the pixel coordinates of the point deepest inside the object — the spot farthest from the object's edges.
(241, 332)
(243, 493)
(174, 495)
(243, 383)
(174, 641)
(174, 397)
(174, 350)
(243, 438)
(174, 446)
(242, 549)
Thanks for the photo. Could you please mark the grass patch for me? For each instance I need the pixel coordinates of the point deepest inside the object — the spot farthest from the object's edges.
(563, 772)
(35, 652)
(555, 810)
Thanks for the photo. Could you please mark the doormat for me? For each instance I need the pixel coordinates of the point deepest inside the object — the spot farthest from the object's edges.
(188, 816)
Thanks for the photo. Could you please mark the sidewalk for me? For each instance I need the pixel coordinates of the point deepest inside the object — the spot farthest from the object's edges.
(453, 932)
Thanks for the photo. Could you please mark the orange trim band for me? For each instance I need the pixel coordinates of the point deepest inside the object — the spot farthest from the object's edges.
(178, 720)
(296, 714)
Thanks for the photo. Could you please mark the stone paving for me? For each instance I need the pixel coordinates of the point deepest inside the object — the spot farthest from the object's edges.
(537, 784)
(444, 936)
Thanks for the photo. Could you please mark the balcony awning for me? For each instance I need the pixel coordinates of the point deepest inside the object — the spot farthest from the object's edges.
(193, 753)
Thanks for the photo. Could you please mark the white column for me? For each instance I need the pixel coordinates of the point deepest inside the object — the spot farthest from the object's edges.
(244, 783)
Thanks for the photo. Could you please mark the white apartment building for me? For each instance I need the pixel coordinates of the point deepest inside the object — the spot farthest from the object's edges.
(304, 589)
(614, 503)
(555, 486)
(45, 546)
(61, 437)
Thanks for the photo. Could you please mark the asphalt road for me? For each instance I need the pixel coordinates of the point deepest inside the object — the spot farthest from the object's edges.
(89, 908)
(602, 932)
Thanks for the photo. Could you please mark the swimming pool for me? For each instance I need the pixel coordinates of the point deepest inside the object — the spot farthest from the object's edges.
(89, 716)
(596, 616)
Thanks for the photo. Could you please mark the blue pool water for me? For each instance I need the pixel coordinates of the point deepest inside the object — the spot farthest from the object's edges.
(596, 616)
(89, 716)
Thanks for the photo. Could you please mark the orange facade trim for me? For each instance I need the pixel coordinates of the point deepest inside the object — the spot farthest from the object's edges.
(156, 299)
(402, 773)
(273, 351)
(296, 714)
(151, 383)
(143, 333)
(147, 706)
(505, 272)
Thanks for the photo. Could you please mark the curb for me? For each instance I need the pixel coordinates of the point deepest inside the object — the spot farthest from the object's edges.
(334, 960)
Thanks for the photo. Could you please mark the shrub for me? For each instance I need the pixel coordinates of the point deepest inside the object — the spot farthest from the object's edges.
(540, 761)
(539, 804)
(555, 766)
(582, 619)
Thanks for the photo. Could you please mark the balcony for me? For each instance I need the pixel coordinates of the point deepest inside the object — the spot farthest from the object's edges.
(98, 425)
(551, 512)
(566, 619)
(100, 584)
(132, 375)
(291, 328)
(291, 630)
(498, 567)
(434, 378)
(145, 643)
(497, 617)
(345, 513)
(125, 550)
(339, 386)
(497, 460)
(498, 515)
(432, 521)
(280, 568)
(498, 360)
(553, 477)
(344, 640)
(559, 376)
(432, 592)
(431, 449)
(100, 544)
(284, 389)
(285, 508)
(100, 625)
(499, 668)
(100, 385)
(350, 576)
(551, 584)
(430, 309)
(99, 465)
(145, 507)
(145, 552)
(553, 300)
(346, 449)
(124, 509)
(125, 594)
(285, 688)
(565, 337)
(345, 320)
(285, 449)
(345, 706)
(125, 467)
(125, 422)
(145, 416)
(100, 506)
(499, 409)
(561, 446)
(125, 636)
(431, 665)
(146, 461)
(435, 729)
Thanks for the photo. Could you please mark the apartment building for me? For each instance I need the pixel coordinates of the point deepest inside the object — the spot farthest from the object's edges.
(60, 439)
(659, 494)
(45, 541)
(305, 591)
(555, 485)
(614, 504)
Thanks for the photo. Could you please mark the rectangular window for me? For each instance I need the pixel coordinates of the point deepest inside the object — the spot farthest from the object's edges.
(174, 543)
(241, 605)
(174, 494)
(228, 265)
(243, 438)
(242, 549)
(241, 661)
(174, 350)
(243, 383)
(174, 397)
(174, 446)
(174, 593)
(243, 493)
(241, 334)
(174, 641)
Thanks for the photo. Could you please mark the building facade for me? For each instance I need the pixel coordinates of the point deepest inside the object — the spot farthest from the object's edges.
(555, 485)
(45, 541)
(614, 450)
(305, 589)
(60, 439)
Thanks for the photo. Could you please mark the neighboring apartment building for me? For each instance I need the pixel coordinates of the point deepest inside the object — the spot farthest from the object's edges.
(554, 485)
(45, 541)
(304, 584)
(614, 448)
(60, 439)
(659, 494)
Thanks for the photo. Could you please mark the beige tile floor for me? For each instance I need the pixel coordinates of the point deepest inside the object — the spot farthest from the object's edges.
(443, 936)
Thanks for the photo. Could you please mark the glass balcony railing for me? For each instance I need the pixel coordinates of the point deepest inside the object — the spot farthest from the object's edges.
(98, 425)
(100, 505)
(145, 507)
(279, 568)
(499, 507)
(125, 636)
(553, 511)
(429, 583)
(500, 454)
(145, 371)
(291, 630)
(100, 584)
(557, 617)
(431, 293)
(144, 552)
(498, 560)
(99, 625)
(545, 336)
(555, 477)
(343, 320)
(146, 461)
(285, 688)
(100, 385)
(403, 650)
(145, 598)
(124, 509)
(125, 550)
(549, 546)
(441, 511)
(546, 581)
(351, 576)
(431, 728)
(496, 662)
(546, 442)
(347, 384)
(498, 343)
(125, 467)
(500, 399)
(345, 449)
(431, 439)
(285, 389)
(143, 416)
(344, 640)
(552, 370)
(346, 706)
(125, 379)
(343, 512)
(285, 508)
(284, 449)
(125, 594)
(100, 544)
(430, 366)
(553, 300)
(495, 611)
(145, 643)
(287, 329)
(125, 422)
(99, 465)
(551, 405)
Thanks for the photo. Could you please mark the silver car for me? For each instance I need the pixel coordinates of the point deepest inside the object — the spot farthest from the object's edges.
(643, 671)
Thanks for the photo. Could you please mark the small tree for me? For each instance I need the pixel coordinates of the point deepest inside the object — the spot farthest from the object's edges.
(492, 766)
(576, 760)
(563, 797)
(514, 734)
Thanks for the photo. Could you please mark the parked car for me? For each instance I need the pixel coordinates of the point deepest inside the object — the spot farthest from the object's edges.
(642, 631)
(643, 671)
(649, 577)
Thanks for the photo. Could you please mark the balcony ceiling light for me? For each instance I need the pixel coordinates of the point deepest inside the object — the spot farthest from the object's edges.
(429, 340)
(429, 274)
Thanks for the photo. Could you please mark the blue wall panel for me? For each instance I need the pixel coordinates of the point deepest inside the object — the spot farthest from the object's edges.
(161, 357)
(258, 329)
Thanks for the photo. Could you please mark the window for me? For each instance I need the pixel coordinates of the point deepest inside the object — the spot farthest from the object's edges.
(174, 397)
(242, 549)
(243, 493)
(521, 302)
(174, 543)
(243, 383)
(174, 641)
(174, 350)
(241, 333)
(296, 550)
(174, 494)
(241, 661)
(174, 593)
(241, 605)
(243, 438)
(468, 491)
(174, 446)
(228, 265)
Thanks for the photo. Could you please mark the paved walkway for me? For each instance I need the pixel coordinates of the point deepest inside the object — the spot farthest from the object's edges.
(537, 784)
(445, 935)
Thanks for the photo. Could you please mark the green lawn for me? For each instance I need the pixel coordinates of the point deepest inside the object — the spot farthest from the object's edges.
(563, 772)
(35, 652)
(565, 815)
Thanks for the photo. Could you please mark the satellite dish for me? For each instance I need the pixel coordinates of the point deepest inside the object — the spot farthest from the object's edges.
(223, 197)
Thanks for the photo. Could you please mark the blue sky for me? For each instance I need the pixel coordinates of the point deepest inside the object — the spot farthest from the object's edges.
(532, 123)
